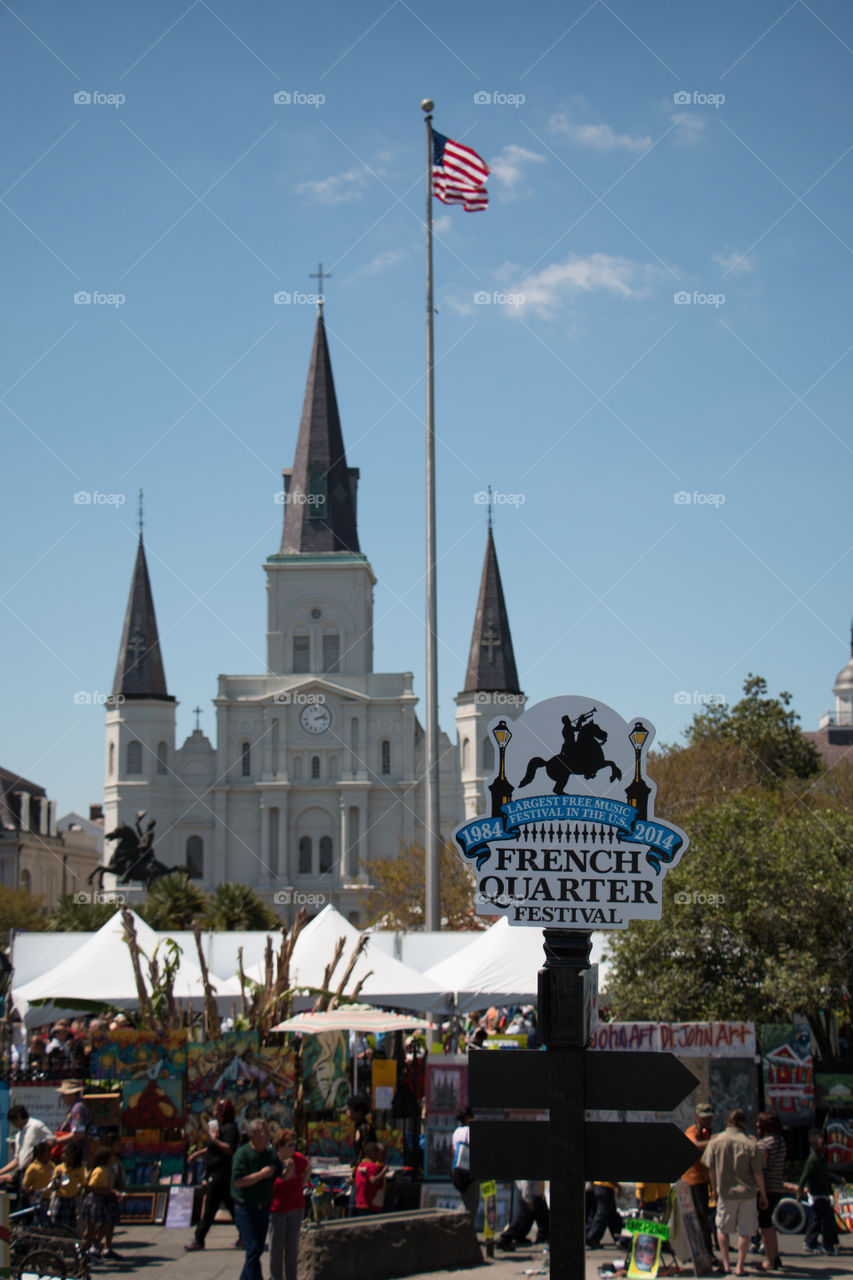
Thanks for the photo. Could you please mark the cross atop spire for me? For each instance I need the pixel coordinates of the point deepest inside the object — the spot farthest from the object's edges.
(320, 275)
(491, 661)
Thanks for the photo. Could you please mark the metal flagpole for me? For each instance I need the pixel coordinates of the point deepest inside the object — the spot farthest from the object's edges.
(432, 918)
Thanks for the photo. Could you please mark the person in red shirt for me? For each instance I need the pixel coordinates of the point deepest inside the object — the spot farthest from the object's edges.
(370, 1180)
(288, 1206)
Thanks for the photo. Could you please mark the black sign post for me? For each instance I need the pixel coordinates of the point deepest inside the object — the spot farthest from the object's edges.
(567, 1080)
(561, 1015)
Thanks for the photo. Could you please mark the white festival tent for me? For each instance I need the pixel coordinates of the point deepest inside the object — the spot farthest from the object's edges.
(391, 981)
(101, 969)
(499, 967)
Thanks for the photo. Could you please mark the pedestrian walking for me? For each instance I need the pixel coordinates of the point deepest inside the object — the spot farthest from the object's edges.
(68, 1183)
(697, 1176)
(736, 1173)
(222, 1140)
(817, 1179)
(287, 1209)
(100, 1209)
(460, 1171)
(254, 1168)
(605, 1214)
(532, 1207)
(771, 1144)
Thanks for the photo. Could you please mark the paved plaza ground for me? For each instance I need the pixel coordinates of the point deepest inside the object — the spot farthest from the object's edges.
(154, 1251)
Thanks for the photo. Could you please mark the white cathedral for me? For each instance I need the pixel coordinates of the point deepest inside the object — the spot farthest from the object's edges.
(318, 767)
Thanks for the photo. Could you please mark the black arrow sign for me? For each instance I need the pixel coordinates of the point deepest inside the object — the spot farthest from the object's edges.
(628, 1081)
(628, 1151)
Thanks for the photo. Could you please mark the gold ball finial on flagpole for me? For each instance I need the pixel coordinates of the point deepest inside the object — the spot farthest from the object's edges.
(427, 105)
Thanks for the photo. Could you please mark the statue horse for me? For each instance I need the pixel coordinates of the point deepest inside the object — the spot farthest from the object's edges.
(133, 859)
(580, 754)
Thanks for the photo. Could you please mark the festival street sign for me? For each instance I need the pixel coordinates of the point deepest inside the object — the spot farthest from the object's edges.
(571, 839)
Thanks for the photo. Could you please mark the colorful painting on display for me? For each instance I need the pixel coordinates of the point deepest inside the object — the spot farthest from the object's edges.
(834, 1091)
(446, 1084)
(646, 1243)
(325, 1071)
(438, 1148)
(839, 1141)
(219, 1065)
(152, 1104)
(132, 1055)
(392, 1140)
(570, 837)
(843, 1197)
(788, 1070)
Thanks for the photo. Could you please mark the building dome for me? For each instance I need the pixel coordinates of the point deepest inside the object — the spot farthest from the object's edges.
(844, 680)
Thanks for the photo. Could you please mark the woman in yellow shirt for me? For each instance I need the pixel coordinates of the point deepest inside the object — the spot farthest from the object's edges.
(37, 1178)
(68, 1183)
(100, 1211)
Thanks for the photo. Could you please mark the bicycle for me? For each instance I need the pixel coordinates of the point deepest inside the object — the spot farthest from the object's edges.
(44, 1250)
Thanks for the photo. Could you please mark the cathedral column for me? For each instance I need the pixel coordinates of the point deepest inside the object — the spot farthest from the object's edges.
(264, 871)
(344, 837)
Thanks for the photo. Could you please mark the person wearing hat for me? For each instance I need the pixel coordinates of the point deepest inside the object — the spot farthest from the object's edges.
(697, 1176)
(77, 1120)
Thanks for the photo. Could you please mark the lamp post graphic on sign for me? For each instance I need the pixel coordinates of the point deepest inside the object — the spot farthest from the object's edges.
(571, 843)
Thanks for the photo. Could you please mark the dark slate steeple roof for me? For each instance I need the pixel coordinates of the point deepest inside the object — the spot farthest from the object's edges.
(139, 671)
(320, 505)
(491, 662)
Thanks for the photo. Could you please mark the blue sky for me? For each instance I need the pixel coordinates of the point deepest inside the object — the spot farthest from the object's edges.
(638, 153)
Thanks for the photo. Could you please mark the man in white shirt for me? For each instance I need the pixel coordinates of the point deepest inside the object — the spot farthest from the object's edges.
(30, 1133)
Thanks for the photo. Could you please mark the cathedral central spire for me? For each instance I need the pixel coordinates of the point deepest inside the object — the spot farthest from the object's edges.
(491, 661)
(320, 491)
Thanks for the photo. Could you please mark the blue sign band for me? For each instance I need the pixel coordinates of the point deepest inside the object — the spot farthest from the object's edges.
(664, 841)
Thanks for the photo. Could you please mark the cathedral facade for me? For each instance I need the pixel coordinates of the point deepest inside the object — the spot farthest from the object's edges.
(318, 766)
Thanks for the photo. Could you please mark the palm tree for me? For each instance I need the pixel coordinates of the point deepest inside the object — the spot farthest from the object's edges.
(71, 916)
(173, 902)
(237, 906)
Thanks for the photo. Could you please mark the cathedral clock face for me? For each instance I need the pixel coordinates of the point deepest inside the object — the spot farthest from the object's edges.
(315, 718)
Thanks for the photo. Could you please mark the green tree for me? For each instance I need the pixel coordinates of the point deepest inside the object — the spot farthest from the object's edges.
(69, 916)
(173, 902)
(20, 911)
(237, 906)
(397, 899)
(757, 919)
(766, 728)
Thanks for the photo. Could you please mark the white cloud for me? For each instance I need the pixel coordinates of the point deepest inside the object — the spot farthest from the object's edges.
(442, 224)
(382, 262)
(601, 137)
(688, 127)
(509, 167)
(548, 290)
(336, 189)
(732, 262)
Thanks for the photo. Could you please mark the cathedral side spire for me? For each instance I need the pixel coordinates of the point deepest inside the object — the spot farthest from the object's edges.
(139, 671)
(491, 661)
(320, 491)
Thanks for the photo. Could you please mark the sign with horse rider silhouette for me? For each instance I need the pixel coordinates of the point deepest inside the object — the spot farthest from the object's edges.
(571, 839)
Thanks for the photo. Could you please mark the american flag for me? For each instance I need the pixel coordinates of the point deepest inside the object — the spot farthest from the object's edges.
(458, 174)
